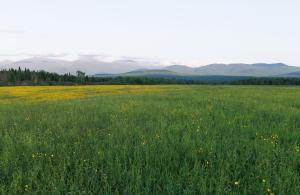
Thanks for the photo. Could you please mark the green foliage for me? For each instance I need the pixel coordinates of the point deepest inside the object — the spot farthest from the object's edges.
(268, 81)
(27, 77)
(200, 140)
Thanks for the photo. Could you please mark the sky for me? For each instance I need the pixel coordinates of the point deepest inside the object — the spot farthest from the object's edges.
(191, 32)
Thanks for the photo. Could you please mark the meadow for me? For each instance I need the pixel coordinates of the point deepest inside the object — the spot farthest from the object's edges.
(166, 139)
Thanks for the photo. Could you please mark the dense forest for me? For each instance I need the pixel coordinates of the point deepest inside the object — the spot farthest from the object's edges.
(28, 77)
(268, 81)
(12, 77)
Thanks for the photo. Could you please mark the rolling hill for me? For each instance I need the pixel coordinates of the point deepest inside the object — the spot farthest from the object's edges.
(219, 70)
(291, 74)
(88, 65)
(167, 74)
(259, 69)
(93, 66)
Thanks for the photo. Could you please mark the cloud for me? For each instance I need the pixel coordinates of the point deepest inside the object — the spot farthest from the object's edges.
(12, 31)
(21, 56)
(9, 55)
(98, 56)
(140, 59)
(48, 55)
(93, 55)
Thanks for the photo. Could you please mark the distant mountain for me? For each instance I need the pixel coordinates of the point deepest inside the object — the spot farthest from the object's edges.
(87, 65)
(151, 73)
(50, 65)
(93, 66)
(180, 69)
(116, 67)
(166, 74)
(259, 69)
(291, 74)
(276, 65)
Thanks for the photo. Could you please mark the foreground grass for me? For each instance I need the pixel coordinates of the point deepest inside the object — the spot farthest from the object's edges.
(190, 140)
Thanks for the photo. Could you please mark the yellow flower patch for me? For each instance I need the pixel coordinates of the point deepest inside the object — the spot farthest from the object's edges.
(10, 95)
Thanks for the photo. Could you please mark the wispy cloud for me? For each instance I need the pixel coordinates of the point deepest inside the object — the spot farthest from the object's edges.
(34, 55)
(12, 31)
(8, 55)
(143, 60)
(100, 56)
(138, 58)
(48, 55)
(94, 55)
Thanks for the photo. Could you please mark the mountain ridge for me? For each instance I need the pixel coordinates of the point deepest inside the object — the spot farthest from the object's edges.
(93, 66)
(257, 69)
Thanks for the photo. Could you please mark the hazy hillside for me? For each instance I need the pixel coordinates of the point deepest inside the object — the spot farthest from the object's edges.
(51, 65)
(150, 72)
(180, 69)
(175, 76)
(87, 65)
(291, 74)
(93, 66)
(260, 69)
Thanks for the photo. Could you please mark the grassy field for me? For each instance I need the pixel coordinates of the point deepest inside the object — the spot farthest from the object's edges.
(150, 140)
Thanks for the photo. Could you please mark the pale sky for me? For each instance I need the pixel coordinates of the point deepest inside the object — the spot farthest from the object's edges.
(192, 32)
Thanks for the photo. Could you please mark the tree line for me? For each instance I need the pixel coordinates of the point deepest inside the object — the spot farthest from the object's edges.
(22, 77)
(268, 81)
(16, 77)
(27, 77)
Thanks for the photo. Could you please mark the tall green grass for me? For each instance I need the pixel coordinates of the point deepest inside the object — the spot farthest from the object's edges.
(200, 140)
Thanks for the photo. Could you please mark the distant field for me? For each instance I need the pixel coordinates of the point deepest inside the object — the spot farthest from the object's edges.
(150, 140)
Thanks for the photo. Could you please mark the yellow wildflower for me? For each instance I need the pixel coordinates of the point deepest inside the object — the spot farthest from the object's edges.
(237, 183)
